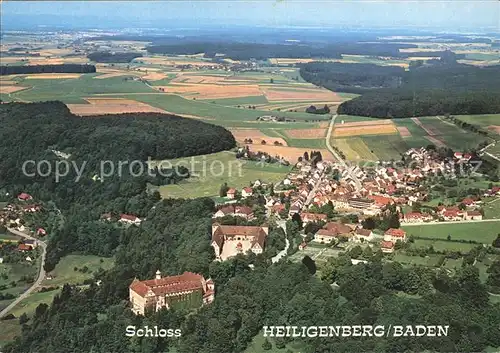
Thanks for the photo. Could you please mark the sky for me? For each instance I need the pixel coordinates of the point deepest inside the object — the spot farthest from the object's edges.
(457, 15)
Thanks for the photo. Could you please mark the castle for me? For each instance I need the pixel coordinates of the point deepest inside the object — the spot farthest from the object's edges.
(165, 292)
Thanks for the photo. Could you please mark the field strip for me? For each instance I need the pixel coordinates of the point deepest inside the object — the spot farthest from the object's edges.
(435, 141)
(403, 131)
(429, 131)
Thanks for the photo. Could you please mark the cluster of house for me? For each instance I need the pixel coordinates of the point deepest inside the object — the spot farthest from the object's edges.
(11, 216)
(165, 292)
(122, 218)
(245, 192)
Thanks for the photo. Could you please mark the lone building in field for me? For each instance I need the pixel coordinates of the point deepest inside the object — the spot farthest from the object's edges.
(187, 290)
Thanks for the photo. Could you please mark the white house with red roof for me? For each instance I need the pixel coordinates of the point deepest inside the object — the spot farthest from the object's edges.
(387, 246)
(307, 217)
(231, 193)
(41, 232)
(229, 241)
(473, 216)
(246, 192)
(395, 234)
(361, 234)
(129, 219)
(24, 197)
(415, 217)
(235, 211)
(31, 208)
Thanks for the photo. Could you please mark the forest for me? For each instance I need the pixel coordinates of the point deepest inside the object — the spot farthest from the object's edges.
(42, 69)
(130, 139)
(107, 57)
(247, 51)
(351, 78)
(441, 87)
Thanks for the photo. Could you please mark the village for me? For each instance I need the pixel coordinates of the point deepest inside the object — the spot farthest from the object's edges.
(335, 208)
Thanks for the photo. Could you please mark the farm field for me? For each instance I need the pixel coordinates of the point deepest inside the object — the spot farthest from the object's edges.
(482, 232)
(409, 133)
(64, 271)
(209, 172)
(111, 106)
(256, 135)
(75, 90)
(443, 245)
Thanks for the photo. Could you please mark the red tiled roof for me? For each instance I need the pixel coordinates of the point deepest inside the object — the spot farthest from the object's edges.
(363, 232)
(413, 215)
(387, 244)
(313, 216)
(24, 247)
(399, 233)
(168, 285)
(231, 191)
(381, 200)
(128, 217)
(24, 196)
(257, 233)
(474, 213)
(248, 190)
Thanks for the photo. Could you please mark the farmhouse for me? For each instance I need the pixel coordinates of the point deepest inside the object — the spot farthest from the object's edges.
(363, 235)
(312, 217)
(473, 216)
(165, 292)
(24, 197)
(415, 217)
(394, 234)
(387, 246)
(235, 211)
(246, 192)
(129, 219)
(229, 241)
(231, 194)
(332, 231)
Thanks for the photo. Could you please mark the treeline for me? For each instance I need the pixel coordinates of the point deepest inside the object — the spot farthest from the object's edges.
(247, 51)
(107, 57)
(352, 78)
(432, 90)
(42, 69)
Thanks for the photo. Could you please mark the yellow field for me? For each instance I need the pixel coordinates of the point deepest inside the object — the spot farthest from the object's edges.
(103, 106)
(10, 89)
(273, 95)
(306, 133)
(289, 153)
(211, 91)
(52, 76)
(381, 129)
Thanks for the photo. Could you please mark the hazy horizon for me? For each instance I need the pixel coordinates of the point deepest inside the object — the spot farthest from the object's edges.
(457, 16)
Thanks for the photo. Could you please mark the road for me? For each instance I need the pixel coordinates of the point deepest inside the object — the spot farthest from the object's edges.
(283, 252)
(336, 155)
(41, 274)
(447, 222)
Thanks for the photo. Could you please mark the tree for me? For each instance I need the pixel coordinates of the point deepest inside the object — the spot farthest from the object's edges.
(23, 319)
(263, 142)
(306, 156)
(223, 190)
(310, 264)
(297, 220)
(267, 345)
(496, 242)
(271, 81)
(356, 252)
(494, 274)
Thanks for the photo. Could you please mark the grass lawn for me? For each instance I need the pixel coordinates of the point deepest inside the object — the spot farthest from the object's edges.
(65, 273)
(353, 119)
(386, 147)
(443, 245)
(430, 260)
(307, 143)
(14, 272)
(492, 208)
(10, 330)
(482, 232)
(453, 263)
(354, 148)
(9, 237)
(209, 172)
(29, 304)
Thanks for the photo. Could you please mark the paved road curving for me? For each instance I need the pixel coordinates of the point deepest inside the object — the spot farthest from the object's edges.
(283, 252)
(41, 274)
(336, 155)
